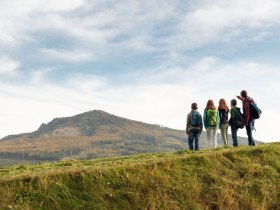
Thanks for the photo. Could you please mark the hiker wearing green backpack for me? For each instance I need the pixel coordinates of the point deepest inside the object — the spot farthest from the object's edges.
(194, 127)
(223, 114)
(250, 110)
(211, 121)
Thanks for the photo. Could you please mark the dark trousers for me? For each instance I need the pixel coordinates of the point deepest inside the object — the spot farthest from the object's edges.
(194, 135)
(234, 135)
(249, 129)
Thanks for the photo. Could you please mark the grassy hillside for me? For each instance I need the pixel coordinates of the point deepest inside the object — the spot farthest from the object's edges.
(93, 134)
(225, 178)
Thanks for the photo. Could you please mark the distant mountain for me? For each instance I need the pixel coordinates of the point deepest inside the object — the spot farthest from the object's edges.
(85, 124)
(94, 134)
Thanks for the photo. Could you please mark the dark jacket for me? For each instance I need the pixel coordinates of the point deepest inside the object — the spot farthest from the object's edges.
(223, 116)
(234, 112)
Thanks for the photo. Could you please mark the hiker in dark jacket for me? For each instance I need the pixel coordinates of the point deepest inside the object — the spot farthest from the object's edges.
(249, 122)
(194, 127)
(233, 121)
(223, 113)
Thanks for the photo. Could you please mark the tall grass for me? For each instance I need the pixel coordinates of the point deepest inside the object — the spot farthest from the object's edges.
(228, 178)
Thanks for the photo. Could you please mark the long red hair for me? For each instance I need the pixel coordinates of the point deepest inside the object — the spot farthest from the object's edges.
(223, 104)
(210, 105)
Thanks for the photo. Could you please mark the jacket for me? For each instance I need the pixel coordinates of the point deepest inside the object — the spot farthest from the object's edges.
(189, 126)
(236, 118)
(205, 121)
(247, 108)
(223, 114)
(234, 114)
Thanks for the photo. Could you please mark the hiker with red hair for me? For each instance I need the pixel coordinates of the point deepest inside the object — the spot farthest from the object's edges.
(211, 122)
(223, 114)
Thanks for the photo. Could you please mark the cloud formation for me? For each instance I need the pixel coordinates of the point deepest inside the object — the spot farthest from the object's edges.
(145, 60)
(8, 66)
(163, 99)
(68, 55)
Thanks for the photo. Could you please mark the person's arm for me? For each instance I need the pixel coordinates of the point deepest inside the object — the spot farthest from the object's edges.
(201, 125)
(218, 117)
(188, 123)
(240, 98)
(205, 119)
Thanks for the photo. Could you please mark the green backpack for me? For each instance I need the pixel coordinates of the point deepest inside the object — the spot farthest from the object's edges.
(212, 117)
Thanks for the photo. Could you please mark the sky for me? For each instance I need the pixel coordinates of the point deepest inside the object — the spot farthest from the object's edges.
(144, 60)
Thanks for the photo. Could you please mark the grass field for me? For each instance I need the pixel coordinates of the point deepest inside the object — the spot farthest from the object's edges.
(225, 178)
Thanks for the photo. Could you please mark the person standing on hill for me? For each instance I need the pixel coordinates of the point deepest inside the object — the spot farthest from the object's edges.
(234, 121)
(211, 122)
(249, 121)
(194, 127)
(223, 114)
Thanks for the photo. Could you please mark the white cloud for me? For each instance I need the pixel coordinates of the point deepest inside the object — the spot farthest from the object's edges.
(38, 76)
(165, 103)
(8, 66)
(225, 21)
(87, 83)
(19, 18)
(95, 24)
(68, 55)
(62, 5)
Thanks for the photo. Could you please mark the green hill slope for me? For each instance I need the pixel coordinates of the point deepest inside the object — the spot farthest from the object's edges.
(228, 178)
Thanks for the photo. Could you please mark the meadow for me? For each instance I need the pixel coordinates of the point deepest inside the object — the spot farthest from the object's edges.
(224, 178)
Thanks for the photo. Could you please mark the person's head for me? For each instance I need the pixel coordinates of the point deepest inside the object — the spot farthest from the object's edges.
(223, 104)
(194, 106)
(233, 103)
(244, 94)
(210, 105)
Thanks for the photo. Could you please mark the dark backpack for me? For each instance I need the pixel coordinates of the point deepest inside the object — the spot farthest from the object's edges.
(240, 121)
(255, 111)
(212, 117)
(195, 119)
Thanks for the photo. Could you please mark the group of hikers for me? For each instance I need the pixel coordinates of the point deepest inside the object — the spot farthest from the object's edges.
(218, 118)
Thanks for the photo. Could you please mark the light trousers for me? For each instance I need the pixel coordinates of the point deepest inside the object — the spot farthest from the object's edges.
(211, 136)
(224, 133)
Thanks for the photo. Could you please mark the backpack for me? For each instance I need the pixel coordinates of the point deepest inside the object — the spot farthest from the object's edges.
(195, 119)
(240, 121)
(255, 111)
(212, 117)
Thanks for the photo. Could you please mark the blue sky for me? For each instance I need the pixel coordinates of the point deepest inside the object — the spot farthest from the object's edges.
(144, 60)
